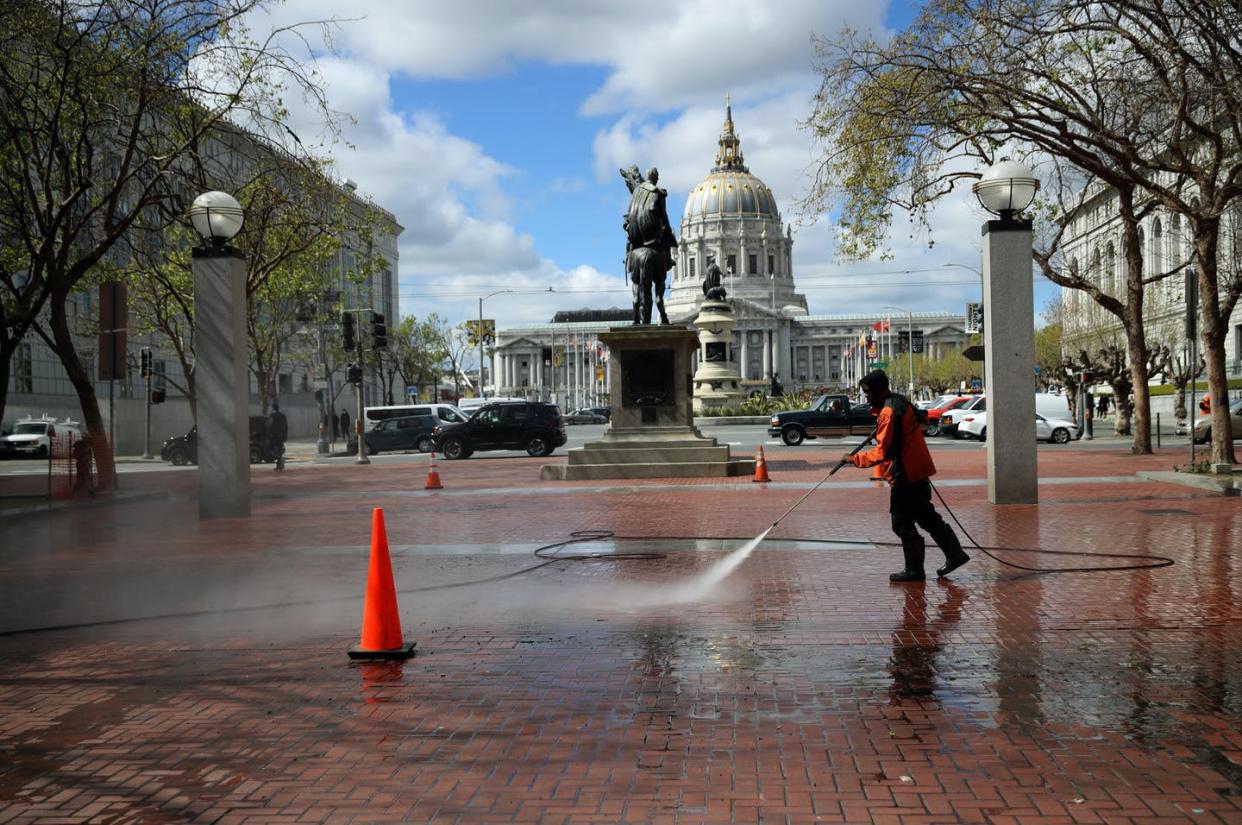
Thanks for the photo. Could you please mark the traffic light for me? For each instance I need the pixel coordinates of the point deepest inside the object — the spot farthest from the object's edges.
(354, 373)
(347, 330)
(145, 368)
(379, 332)
(157, 396)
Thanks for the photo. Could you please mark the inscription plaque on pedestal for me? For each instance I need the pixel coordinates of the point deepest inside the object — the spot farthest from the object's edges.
(647, 378)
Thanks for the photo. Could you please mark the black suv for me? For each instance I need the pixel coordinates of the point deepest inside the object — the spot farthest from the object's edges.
(532, 426)
(183, 449)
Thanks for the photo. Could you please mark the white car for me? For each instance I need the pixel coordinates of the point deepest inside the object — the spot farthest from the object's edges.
(1203, 424)
(1047, 428)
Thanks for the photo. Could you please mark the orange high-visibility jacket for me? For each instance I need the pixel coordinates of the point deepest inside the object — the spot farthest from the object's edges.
(916, 462)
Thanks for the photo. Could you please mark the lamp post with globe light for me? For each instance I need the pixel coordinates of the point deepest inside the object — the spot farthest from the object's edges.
(221, 384)
(1005, 189)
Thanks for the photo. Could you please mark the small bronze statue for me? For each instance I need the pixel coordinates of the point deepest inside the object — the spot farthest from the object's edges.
(711, 283)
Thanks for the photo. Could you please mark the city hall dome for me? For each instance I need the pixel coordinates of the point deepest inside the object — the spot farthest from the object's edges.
(731, 219)
(730, 190)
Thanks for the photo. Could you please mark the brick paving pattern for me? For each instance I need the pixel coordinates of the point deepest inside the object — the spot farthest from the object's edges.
(159, 669)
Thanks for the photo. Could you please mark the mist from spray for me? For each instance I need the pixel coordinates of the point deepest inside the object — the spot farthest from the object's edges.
(703, 584)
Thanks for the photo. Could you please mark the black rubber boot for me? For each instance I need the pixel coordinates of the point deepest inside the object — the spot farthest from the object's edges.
(954, 555)
(912, 548)
(951, 563)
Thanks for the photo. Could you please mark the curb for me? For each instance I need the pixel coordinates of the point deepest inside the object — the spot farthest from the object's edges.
(1225, 485)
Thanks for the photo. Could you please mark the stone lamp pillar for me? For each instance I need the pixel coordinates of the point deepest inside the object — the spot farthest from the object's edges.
(716, 381)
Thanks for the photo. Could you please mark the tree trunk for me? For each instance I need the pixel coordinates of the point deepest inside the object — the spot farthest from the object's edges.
(1212, 336)
(1136, 335)
(6, 359)
(85, 388)
(1136, 350)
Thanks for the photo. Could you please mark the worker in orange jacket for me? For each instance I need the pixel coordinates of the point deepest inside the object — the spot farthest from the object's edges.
(903, 458)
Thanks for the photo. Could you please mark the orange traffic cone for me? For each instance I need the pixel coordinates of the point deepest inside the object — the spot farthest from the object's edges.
(761, 466)
(433, 475)
(381, 623)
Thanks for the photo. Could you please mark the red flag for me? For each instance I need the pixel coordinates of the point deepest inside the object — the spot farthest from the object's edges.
(878, 326)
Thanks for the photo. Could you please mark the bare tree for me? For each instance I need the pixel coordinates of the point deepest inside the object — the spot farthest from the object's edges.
(100, 102)
(904, 123)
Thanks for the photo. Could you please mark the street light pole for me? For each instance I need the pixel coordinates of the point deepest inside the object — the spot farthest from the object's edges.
(479, 334)
(909, 346)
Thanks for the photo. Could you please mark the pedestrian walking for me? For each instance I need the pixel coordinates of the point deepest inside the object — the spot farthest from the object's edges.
(903, 458)
(277, 432)
(344, 423)
(1101, 406)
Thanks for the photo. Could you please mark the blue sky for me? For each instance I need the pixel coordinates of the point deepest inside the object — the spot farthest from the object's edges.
(493, 130)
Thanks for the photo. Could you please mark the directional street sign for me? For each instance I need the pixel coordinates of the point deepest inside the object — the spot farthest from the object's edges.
(879, 365)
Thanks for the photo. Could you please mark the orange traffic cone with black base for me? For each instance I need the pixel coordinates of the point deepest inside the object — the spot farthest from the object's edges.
(381, 622)
(761, 466)
(433, 475)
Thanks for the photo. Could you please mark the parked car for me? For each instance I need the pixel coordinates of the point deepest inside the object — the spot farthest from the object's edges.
(932, 427)
(410, 432)
(533, 426)
(585, 416)
(1047, 428)
(32, 437)
(183, 449)
(604, 411)
(1203, 424)
(828, 415)
(951, 418)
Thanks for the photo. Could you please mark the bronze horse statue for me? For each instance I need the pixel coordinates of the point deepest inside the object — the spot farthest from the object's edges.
(650, 243)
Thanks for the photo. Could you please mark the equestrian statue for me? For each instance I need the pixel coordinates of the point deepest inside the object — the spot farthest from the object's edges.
(649, 243)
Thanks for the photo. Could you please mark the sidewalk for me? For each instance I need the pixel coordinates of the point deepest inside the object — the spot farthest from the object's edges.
(158, 668)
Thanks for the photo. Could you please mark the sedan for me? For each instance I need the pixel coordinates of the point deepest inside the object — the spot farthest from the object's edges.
(1203, 424)
(1056, 430)
(585, 416)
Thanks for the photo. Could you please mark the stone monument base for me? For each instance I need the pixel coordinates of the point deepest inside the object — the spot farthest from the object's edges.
(652, 432)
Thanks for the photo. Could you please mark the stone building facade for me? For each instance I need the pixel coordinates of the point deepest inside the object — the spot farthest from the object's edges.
(730, 218)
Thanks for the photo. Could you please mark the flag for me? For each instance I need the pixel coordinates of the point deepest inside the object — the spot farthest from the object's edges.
(887, 325)
(862, 340)
(878, 326)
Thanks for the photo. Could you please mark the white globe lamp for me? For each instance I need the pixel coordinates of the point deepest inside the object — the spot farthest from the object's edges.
(217, 216)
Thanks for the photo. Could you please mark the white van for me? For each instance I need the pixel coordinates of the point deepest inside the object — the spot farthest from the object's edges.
(442, 413)
(469, 405)
(1053, 406)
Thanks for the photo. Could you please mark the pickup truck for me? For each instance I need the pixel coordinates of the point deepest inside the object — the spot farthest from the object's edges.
(828, 415)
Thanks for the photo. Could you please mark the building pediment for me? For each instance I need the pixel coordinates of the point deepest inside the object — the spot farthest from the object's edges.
(519, 344)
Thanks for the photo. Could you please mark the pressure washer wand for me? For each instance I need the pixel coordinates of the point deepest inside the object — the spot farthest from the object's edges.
(831, 473)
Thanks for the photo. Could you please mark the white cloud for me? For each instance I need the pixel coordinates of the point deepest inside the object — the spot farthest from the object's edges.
(666, 70)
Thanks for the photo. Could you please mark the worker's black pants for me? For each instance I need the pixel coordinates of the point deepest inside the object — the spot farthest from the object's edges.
(910, 504)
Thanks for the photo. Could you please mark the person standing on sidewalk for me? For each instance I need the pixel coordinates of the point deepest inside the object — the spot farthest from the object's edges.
(344, 422)
(278, 431)
(904, 461)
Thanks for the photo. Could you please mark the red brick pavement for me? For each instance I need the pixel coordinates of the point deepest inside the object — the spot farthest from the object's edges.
(804, 689)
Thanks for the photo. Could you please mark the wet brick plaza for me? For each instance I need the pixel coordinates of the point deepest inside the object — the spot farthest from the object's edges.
(154, 668)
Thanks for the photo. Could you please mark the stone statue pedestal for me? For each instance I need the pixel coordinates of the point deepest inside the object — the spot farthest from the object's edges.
(716, 382)
(651, 433)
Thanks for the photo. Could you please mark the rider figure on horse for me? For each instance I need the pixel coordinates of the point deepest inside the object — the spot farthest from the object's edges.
(649, 250)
